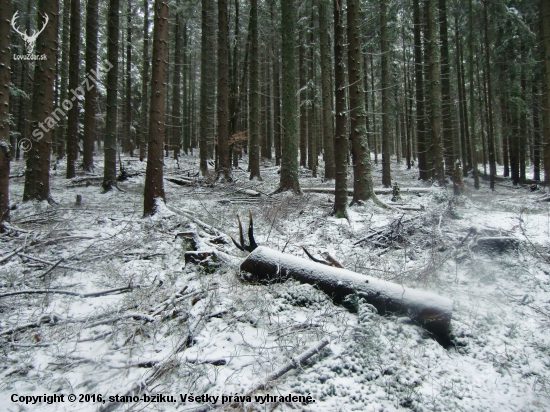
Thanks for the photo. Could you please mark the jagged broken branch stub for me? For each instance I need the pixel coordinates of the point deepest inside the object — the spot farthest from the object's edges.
(242, 245)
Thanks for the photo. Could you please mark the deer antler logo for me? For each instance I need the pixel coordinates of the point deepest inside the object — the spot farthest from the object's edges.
(30, 41)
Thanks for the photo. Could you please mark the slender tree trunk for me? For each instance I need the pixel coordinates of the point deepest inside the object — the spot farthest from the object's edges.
(328, 129)
(109, 172)
(537, 140)
(144, 85)
(128, 135)
(366, 88)
(522, 136)
(505, 136)
(362, 173)
(289, 149)
(223, 91)
(311, 135)
(545, 29)
(268, 105)
(154, 184)
(373, 95)
(467, 119)
(5, 59)
(447, 134)
(276, 92)
(25, 100)
(254, 93)
(92, 26)
(176, 88)
(186, 68)
(340, 138)
(435, 93)
(207, 80)
(490, 134)
(419, 79)
(473, 144)
(303, 101)
(74, 63)
(233, 120)
(37, 175)
(64, 84)
(483, 111)
(384, 56)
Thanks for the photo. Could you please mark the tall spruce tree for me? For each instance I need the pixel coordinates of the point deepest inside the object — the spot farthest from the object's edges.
(74, 65)
(362, 174)
(326, 89)
(289, 141)
(223, 91)
(340, 137)
(254, 93)
(384, 57)
(110, 145)
(5, 156)
(92, 27)
(37, 174)
(154, 180)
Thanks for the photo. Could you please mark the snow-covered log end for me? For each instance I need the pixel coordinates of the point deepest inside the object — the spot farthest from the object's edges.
(429, 310)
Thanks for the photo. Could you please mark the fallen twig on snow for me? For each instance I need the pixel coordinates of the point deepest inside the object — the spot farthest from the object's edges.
(67, 292)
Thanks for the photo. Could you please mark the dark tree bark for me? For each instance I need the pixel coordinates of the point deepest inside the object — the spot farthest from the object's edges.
(268, 104)
(312, 152)
(340, 138)
(289, 149)
(447, 131)
(490, 126)
(5, 157)
(537, 140)
(37, 175)
(234, 89)
(74, 66)
(522, 136)
(254, 94)
(373, 96)
(467, 145)
(23, 123)
(207, 80)
(545, 29)
(223, 91)
(144, 85)
(473, 144)
(154, 185)
(128, 135)
(92, 26)
(326, 74)
(385, 85)
(64, 83)
(186, 106)
(176, 88)
(419, 79)
(302, 91)
(362, 173)
(109, 148)
(276, 91)
(435, 93)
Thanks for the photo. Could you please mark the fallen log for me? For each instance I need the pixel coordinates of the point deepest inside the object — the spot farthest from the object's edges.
(496, 245)
(431, 311)
(377, 191)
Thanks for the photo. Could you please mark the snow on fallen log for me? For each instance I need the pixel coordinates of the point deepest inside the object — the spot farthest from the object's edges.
(431, 311)
(377, 191)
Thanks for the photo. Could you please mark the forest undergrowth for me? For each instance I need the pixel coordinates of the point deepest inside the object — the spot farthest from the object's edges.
(96, 299)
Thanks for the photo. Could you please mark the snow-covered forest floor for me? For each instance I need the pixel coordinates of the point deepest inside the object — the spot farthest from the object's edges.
(176, 328)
